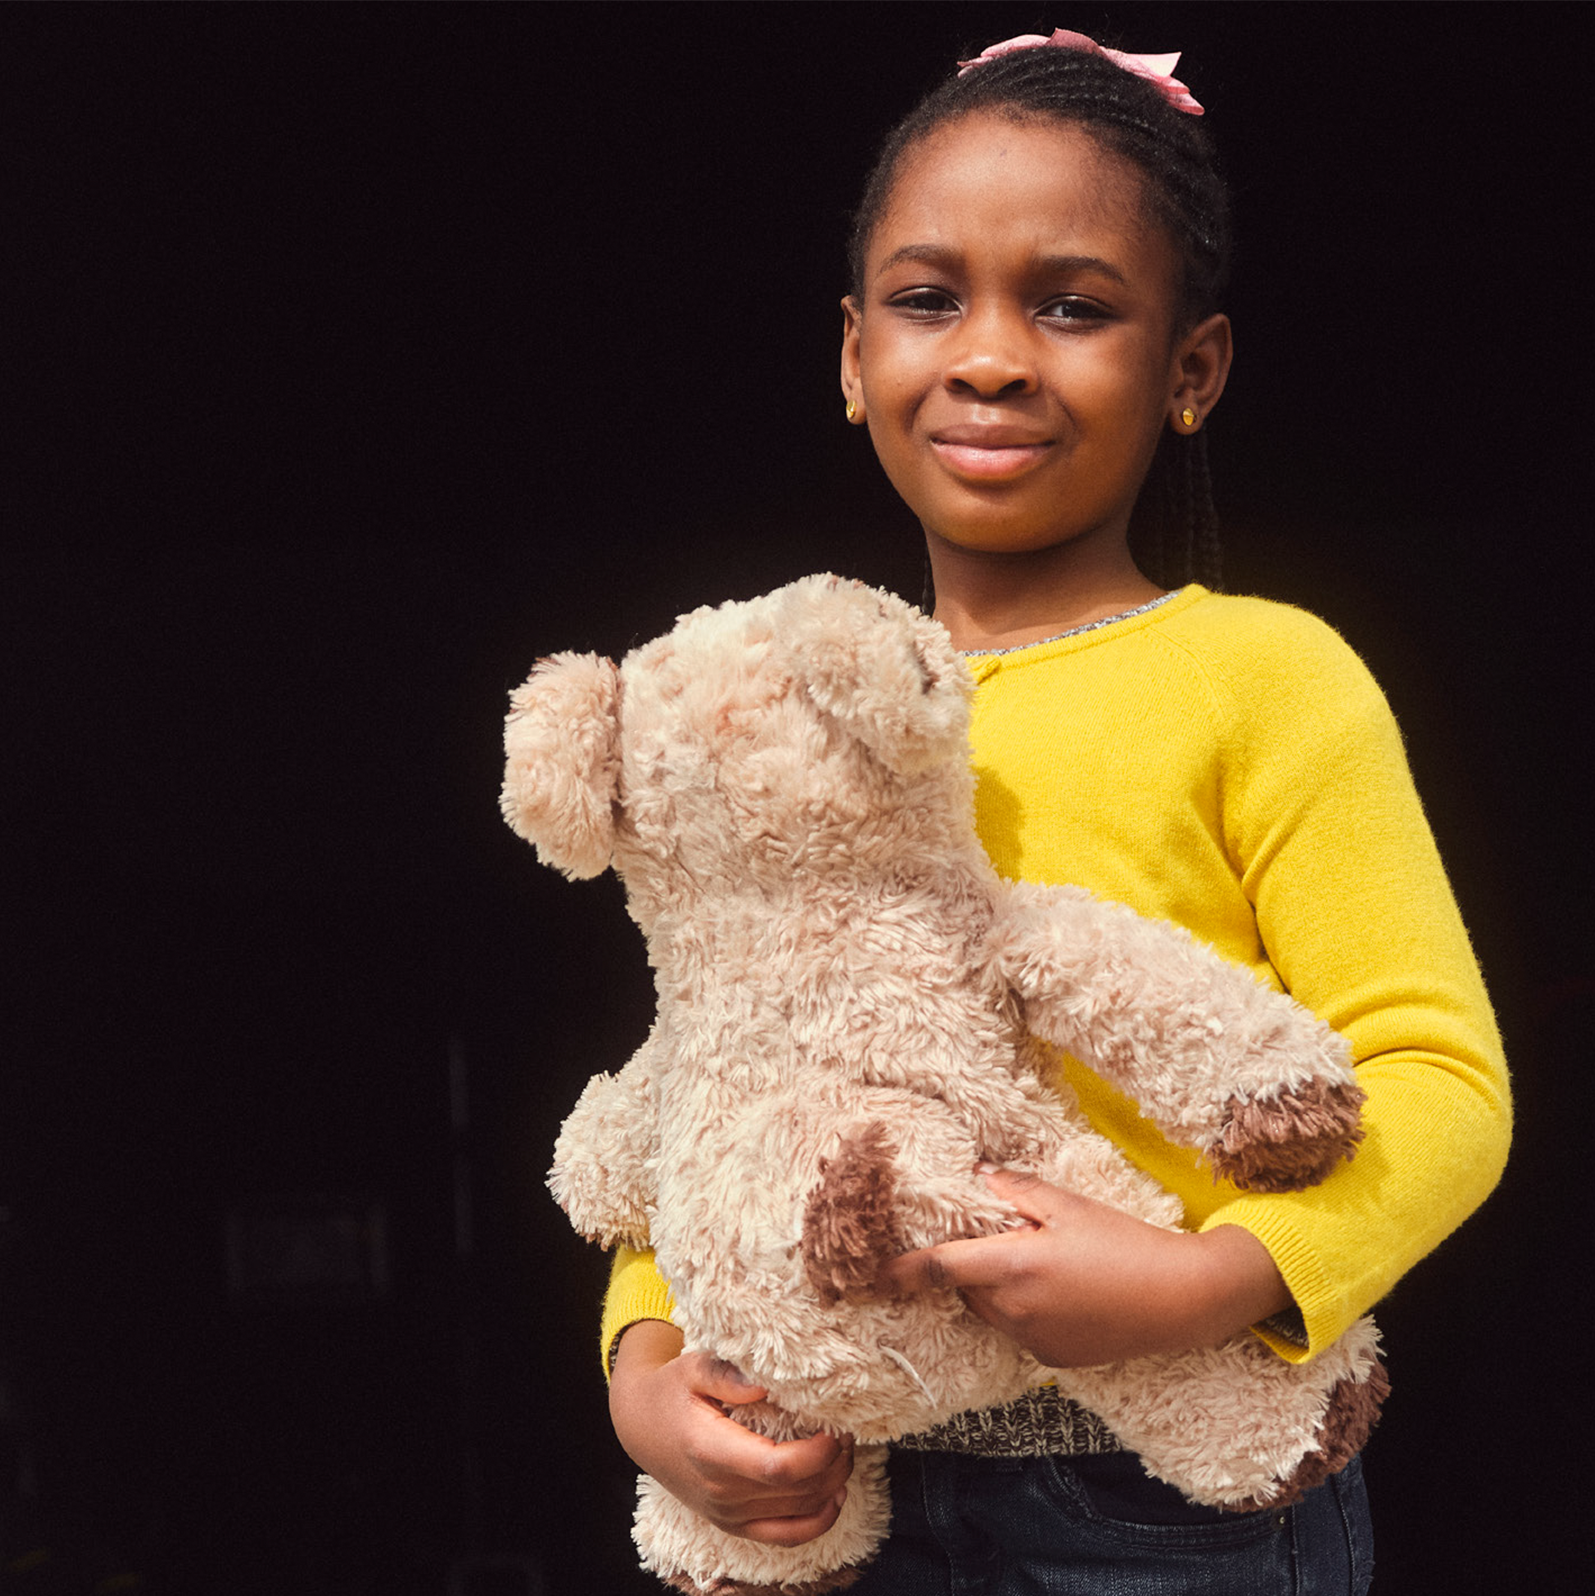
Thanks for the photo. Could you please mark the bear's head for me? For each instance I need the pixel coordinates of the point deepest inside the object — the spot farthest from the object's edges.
(819, 727)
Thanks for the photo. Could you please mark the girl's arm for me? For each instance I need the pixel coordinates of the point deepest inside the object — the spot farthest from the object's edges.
(1354, 911)
(669, 1412)
(604, 1156)
(1279, 821)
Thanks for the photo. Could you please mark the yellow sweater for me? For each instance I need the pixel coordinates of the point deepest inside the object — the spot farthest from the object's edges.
(1229, 764)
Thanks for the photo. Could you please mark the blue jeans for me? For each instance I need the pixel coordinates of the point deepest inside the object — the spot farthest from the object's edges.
(1099, 1526)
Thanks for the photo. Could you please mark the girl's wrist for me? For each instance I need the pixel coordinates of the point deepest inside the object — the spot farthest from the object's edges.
(1238, 1285)
(644, 1348)
(645, 1344)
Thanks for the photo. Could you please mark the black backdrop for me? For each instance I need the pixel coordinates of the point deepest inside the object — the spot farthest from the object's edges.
(354, 356)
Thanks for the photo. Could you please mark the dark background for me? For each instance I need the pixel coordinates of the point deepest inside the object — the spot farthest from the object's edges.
(355, 356)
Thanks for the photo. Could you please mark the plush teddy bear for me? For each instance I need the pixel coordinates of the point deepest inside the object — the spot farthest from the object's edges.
(854, 1012)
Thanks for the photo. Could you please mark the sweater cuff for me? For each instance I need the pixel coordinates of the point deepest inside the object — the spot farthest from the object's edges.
(1317, 1315)
(636, 1291)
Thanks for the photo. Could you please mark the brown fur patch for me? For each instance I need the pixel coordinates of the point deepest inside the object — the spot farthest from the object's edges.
(1348, 1422)
(849, 1223)
(1292, 1141)
(839, 1580)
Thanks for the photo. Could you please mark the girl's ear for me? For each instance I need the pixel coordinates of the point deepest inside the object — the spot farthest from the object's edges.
(1201, 368)
(562, 762)
(852, 381)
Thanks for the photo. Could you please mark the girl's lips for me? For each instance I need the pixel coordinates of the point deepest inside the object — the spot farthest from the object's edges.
(988, 462)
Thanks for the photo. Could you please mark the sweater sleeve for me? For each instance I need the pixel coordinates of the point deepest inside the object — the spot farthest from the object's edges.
(636, 1291)
(1356, 914)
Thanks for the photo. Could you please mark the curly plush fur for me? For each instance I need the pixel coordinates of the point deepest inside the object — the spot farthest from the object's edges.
(850, 1003)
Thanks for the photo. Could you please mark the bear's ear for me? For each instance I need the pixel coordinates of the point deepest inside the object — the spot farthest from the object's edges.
(886, 673)
(562, 762)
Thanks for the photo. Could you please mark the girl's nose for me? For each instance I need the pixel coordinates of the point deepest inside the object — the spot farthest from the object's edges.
(991, 357)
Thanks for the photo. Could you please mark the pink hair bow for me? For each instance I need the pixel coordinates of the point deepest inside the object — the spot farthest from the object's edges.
(1157, 69)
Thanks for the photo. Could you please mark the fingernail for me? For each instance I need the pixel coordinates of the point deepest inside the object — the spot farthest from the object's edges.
(983, 1168)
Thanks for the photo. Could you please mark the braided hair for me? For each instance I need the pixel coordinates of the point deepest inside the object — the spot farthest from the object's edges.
(1174, 528)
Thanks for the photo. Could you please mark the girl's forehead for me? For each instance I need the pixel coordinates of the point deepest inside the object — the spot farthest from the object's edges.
(1032, 174)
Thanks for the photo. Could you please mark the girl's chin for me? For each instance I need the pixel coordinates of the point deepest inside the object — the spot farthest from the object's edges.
(982, 525)
(999, 542)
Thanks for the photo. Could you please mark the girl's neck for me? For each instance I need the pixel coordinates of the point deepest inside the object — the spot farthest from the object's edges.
(995, 601)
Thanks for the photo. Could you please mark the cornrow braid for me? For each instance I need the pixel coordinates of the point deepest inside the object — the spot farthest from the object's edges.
(1174, 529)
(1174, 532)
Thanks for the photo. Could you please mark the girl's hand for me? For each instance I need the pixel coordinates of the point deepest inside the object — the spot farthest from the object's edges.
(1084, 1283)
(669, 1411)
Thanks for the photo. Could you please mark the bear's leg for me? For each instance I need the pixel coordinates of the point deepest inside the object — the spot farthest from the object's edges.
(692, 1556)
(1236, 1426)
(1348, 1421)
(885, 1192)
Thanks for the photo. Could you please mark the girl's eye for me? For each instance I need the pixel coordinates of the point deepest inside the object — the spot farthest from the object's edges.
(923, 301)
(1071, 308)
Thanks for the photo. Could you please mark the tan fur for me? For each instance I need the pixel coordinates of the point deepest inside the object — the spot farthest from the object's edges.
(853, 1012)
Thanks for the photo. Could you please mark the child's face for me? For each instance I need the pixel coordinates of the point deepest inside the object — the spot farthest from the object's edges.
(1014, 354)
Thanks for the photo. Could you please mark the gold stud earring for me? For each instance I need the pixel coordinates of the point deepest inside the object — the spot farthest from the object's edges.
(1188, 416)
(852, 410)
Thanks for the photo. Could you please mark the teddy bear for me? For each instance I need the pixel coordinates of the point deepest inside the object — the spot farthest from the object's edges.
(855, 1013)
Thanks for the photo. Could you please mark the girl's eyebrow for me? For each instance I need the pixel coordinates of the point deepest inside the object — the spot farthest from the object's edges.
(947, 259)
(923, 254)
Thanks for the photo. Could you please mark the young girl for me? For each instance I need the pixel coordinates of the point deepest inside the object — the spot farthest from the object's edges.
(1034, 341)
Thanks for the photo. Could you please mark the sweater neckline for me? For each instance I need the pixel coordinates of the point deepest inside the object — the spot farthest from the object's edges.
(977, 655)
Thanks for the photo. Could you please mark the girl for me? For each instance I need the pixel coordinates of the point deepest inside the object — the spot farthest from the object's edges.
(1034, 341)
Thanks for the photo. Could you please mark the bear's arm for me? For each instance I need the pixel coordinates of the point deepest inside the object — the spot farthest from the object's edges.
(606, 1155)
(1215, 1059)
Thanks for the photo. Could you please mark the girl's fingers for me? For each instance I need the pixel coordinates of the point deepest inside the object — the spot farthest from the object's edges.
(798, 1505)
(672, 1412)
(950, 1266)
(982, 1260)
(778, 1478)
(813, 1468)
(1029, 1194)
(820, 1462)
(724, 1382)
(792, 1531)
(776, 1500)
